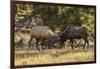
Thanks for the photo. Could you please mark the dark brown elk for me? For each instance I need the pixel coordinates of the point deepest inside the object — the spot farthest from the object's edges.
(74, 32)
(40, 33)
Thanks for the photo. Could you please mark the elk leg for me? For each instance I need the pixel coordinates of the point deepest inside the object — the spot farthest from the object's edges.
(71, 43)
(30, 41)
(53, 46)
(42, 43)
(37, 41)
(87, 43)
(84, 44)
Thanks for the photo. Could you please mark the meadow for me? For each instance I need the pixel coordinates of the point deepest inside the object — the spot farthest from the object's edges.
(51, 56)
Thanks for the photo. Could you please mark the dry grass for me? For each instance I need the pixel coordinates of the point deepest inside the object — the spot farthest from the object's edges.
(25, 57)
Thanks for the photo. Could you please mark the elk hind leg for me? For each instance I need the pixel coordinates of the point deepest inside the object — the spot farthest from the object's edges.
(30, 41)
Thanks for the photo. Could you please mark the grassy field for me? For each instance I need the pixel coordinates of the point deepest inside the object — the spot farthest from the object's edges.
(65, 55)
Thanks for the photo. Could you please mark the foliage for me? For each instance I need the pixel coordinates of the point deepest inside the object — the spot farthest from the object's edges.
(58, 17)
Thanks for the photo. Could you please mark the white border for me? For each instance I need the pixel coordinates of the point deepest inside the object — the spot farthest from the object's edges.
(5, 34)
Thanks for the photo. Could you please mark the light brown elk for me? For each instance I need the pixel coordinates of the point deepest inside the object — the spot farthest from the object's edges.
(40, 33)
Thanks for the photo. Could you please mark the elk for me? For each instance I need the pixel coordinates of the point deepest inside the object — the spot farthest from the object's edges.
(40, 33)
(74, 32)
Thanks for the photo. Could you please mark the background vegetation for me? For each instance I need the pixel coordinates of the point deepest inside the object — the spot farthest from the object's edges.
(57, 16)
